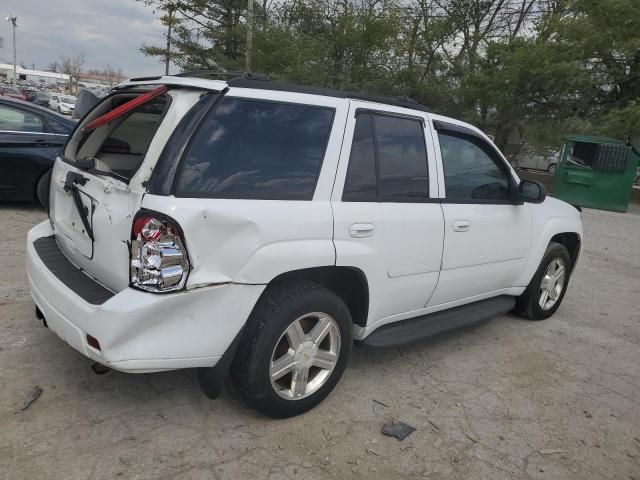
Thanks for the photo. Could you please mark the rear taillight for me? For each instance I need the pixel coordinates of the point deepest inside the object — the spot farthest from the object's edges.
(159, 260)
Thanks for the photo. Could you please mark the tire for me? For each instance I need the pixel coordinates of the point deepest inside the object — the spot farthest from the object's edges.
(552, 169)
(42, 189)
(268, 335)
(59, 110)
(529, 303)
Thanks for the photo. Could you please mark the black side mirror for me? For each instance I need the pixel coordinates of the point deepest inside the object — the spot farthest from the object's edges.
(531, 191)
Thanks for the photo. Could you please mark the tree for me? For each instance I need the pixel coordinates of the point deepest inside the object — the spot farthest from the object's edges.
(168, 10)
(72, 66)
(523, 70)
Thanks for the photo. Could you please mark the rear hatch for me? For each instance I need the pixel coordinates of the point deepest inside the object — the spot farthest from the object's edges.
(97, 183)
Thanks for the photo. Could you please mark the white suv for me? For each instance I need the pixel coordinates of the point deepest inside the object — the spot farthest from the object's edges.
(259, 228)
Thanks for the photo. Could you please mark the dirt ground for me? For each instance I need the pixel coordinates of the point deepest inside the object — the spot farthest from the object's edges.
(510, 399)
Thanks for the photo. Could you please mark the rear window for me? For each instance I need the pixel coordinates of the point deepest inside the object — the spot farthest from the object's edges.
(256, 150)
(134, 134)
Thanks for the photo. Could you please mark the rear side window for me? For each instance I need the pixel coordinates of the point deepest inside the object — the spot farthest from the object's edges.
(256, 150)
(388, 160)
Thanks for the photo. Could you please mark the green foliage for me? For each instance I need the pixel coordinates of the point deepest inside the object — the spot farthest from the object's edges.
(524, 70)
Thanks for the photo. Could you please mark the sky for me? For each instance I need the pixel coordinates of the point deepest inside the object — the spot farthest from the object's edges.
(104, 31)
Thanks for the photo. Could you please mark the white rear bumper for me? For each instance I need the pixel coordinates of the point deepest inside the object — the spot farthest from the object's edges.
(140, 331)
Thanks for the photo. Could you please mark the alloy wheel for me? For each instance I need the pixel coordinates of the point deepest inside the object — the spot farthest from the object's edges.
(552, 284)
(304, 356)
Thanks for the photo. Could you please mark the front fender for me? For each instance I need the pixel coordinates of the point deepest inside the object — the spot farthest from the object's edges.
(550, 218)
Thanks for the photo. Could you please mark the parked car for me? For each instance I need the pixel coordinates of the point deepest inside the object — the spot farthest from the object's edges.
(11, 92)
(259, 228)
(30, 139)
(62, 103)
(529, 158)
(37, 97)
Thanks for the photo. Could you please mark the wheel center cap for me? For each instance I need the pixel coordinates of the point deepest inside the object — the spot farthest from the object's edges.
(551, 283)
(305, 354)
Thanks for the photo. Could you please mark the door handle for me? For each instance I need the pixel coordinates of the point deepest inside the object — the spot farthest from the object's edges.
(359, 230)
(461, 226)
(43, 143)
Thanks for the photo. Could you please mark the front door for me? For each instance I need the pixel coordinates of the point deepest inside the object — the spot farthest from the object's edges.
(388, 221)
(487, 230)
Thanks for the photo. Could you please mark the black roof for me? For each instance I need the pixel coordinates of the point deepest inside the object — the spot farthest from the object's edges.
(263, 82)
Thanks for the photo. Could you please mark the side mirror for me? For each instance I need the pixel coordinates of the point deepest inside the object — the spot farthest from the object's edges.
(531, 191)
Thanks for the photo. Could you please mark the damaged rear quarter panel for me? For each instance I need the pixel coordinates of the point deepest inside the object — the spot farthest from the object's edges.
(249, 241)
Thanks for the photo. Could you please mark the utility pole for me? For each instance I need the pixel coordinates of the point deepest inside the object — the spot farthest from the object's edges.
(247, 64)
(12, 19)
(167, 56)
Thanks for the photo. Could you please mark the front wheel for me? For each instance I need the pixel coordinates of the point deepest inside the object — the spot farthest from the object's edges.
(552, 169)
(294, 350)
(545, 292)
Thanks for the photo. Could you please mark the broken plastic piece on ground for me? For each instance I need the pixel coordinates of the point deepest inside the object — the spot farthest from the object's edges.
(99, 369)
(31, 397)
(400, 430)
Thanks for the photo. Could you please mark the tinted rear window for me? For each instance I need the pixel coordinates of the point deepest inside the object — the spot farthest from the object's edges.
(256, 149)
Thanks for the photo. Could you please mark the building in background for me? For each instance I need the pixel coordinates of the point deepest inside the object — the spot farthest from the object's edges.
(6, 74)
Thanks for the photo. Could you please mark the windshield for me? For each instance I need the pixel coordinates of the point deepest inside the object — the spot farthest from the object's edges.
(70, 100)
(41, 95)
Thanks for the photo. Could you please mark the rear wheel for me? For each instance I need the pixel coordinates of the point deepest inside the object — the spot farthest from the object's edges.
(294, 350)
(546, 291)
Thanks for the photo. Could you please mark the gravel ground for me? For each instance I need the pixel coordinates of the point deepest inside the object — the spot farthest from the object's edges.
(509, 399)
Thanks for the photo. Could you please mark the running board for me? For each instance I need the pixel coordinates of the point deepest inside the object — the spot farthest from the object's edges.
(415, 329)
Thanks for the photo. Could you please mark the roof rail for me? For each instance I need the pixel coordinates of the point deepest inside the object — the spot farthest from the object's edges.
(222, 73)
(402, 101)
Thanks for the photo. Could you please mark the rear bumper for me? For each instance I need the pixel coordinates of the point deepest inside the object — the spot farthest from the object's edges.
(140, 331)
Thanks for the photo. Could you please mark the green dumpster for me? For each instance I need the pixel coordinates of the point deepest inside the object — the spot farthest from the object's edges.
(596, 172)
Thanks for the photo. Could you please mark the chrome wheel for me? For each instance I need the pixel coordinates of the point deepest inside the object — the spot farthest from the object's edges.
(552, 284)
(304, 356)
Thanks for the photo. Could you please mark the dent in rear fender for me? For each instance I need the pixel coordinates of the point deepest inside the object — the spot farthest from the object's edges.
(249, 241)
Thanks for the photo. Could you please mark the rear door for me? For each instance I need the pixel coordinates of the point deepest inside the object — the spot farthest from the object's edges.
(388, 220)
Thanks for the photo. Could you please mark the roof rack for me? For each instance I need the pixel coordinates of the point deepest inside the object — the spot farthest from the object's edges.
(222, 73)
(263, 82)
(247, 82)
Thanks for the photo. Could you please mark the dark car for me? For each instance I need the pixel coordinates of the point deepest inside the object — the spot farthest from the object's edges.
(39, 98)
(30, 139)
(11, 92)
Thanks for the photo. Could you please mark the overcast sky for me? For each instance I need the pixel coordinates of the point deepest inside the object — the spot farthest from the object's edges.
(105, 31)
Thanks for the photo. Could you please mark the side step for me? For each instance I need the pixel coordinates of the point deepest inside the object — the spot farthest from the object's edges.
(415, 329)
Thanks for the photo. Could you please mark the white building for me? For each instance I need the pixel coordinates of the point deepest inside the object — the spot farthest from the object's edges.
(6, 73)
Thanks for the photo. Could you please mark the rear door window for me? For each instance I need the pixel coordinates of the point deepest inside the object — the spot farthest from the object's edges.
(388, 161)
(256, 149)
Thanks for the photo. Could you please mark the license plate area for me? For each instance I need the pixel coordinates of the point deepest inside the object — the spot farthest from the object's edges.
(70, 224)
